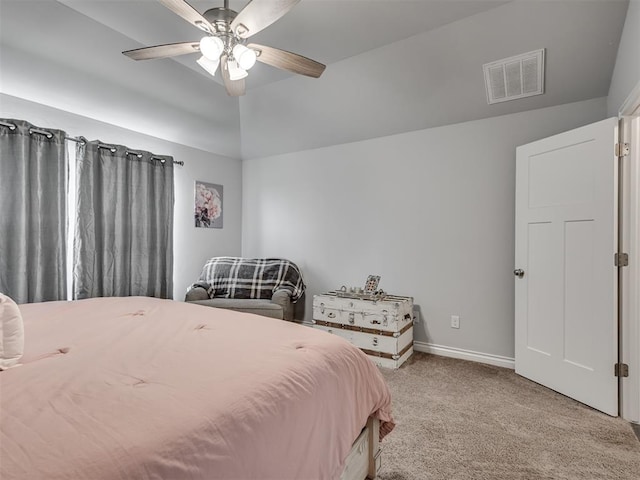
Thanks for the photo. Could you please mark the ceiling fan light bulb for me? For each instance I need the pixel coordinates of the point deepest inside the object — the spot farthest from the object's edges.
(245, 57)
(209, 65)
(235, 72)
(211, 47)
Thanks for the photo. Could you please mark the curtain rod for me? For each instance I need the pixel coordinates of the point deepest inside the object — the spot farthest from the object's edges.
(139, 155)
(112, 149)
(48, 134)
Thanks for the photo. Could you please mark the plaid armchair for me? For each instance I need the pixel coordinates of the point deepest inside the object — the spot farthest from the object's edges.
(263, 286)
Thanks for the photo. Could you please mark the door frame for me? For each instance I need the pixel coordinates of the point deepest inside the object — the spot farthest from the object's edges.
(629, 288)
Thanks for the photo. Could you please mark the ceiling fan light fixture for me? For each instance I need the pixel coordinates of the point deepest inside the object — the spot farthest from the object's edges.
(209, 65)
(225, 46)
(245, 57)
(235, 72)
(211, 47)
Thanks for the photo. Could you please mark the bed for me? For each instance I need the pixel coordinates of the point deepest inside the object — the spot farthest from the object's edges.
(142, 388)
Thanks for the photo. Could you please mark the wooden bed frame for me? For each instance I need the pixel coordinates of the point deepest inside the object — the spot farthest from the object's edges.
(364, 459)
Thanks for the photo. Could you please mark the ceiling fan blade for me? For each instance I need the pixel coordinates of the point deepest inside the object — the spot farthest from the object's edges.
(288, 61)
(190, 14)
(259, 14)
(235, 88)
(163, 51)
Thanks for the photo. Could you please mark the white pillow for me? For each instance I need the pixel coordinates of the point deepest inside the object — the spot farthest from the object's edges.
(11, 333)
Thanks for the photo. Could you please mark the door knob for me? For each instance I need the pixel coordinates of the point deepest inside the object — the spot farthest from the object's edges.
(519, 273)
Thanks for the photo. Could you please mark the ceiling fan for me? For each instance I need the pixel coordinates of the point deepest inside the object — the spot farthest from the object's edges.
(225, 42)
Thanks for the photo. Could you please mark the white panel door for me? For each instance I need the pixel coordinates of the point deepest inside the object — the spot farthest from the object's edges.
(566, 236)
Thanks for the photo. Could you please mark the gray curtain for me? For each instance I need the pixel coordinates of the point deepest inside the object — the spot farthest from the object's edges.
(124, 231)
(33, 213)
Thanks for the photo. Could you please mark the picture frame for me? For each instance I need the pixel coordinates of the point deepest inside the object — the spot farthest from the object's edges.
(208, 205)
(371, 285)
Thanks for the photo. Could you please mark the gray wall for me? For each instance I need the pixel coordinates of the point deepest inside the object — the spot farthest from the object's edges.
(192, 245)
(626, 73)
(431, 211)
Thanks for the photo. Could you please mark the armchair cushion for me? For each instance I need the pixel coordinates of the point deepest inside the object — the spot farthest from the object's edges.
(258, 307)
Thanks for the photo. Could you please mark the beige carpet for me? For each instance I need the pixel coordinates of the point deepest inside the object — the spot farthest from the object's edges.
(465, 420)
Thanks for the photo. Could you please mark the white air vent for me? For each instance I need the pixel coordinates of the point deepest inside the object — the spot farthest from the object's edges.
(515, 77)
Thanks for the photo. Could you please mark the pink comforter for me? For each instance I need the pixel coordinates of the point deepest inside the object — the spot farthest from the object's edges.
(140, 388)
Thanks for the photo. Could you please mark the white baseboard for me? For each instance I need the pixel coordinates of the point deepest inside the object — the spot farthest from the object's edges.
(497, 360)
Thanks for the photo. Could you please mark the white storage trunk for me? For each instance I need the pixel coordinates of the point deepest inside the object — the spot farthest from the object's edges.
(383, 329)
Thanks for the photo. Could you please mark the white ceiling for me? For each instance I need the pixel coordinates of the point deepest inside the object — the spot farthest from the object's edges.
(325, 30)
(67, 54)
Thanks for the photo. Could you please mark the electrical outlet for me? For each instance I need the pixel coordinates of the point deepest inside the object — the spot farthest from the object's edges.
(455, 321)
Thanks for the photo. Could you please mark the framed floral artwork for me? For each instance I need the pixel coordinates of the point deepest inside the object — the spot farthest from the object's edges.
(208, 205)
